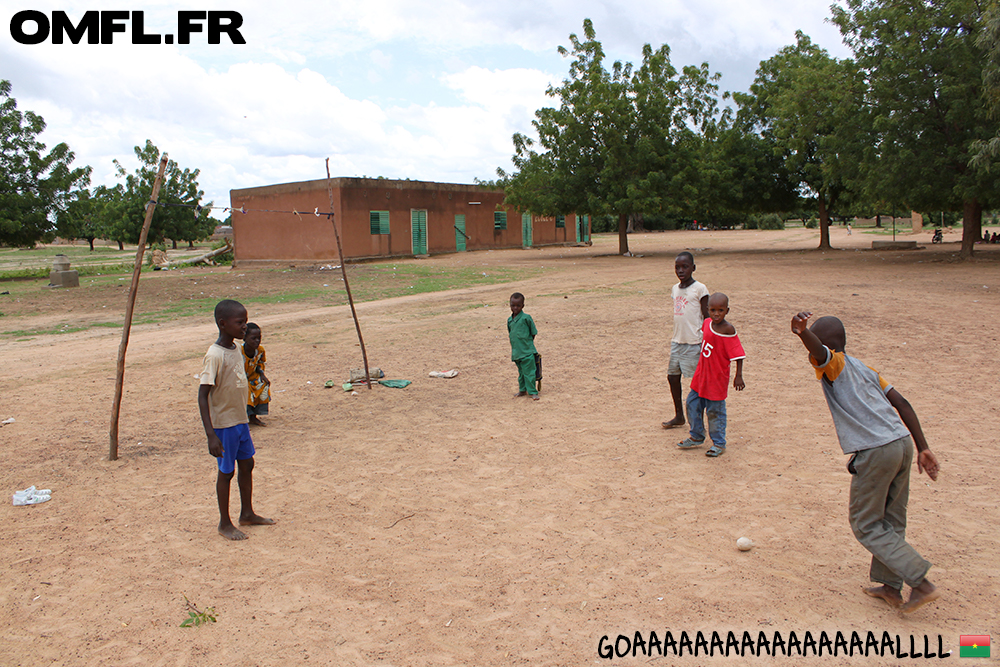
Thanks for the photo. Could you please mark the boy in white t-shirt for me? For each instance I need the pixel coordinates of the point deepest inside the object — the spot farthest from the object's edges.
(690, 299)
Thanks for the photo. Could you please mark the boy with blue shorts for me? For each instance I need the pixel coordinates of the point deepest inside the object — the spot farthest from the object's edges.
(222, 400)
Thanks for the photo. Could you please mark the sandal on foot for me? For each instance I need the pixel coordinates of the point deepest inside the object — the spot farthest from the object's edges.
(715, 451)
(690, 444)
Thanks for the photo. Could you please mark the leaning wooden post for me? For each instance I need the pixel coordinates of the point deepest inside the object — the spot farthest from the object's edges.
(343, 270)
(120, 379)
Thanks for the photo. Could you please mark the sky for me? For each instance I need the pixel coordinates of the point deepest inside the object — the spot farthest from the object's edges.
(418, 89)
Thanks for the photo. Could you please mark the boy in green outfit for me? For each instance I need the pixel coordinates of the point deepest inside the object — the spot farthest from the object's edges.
(522, 332)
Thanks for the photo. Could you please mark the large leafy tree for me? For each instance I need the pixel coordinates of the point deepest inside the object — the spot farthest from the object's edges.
(924, 71)
(738, 172)
(617, 142)
(34, 185)
(81, 218)
(178, 216)
(989, 41)
(807, 107)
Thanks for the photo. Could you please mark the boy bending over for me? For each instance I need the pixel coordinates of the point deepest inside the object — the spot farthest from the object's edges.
(878, 428)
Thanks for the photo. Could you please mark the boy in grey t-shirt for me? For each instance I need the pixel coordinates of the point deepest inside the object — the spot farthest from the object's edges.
(874, 424)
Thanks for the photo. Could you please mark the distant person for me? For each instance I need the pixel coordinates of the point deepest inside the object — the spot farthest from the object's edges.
(222, 401)
(877, 427)
(995, 238)
(720, 346)
(848, 229)
(522, 332)
(259, 394)
(690, 299)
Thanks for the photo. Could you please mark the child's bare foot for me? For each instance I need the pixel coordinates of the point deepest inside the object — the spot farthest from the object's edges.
(256, 422)
(255, 520)
(887, 593)
(231, 532)
(520, 393)
(674, 423)
(534, 397)
(919, 596)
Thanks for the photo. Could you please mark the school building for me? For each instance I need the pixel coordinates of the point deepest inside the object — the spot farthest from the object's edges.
(385, 218)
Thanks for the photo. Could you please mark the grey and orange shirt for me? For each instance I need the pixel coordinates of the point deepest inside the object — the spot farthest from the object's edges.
(856, 395)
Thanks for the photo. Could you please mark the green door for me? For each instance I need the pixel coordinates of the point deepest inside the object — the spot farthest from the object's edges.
(460, 236)
(582, 228)
(418, 224)
(526, 230)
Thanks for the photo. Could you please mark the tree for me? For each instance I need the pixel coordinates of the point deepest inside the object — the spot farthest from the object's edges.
(615, 144)
(924, 72)
(739, 172)
(34, 185)
(80, 219)
(989, 41)
(807, 105)
(179, 216)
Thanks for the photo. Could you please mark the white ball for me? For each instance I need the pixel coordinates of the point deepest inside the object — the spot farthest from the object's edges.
(744, 544)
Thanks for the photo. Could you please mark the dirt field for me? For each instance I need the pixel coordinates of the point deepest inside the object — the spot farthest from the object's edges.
(450, 524)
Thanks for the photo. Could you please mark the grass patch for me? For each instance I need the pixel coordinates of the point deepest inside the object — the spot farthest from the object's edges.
(37, 262)
(167, 297)
(64, 329)
(374, 282)
(36, 273)
(887, 231)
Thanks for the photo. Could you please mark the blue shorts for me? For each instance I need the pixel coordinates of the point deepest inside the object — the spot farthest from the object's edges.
(236, 446)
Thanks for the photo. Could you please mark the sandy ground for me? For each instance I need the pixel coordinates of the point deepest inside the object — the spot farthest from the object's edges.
(449, 524)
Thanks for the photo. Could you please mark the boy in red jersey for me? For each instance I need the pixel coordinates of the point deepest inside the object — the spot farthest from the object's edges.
(710, 385)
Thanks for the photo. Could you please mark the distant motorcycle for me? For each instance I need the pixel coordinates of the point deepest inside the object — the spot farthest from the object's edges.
(938, 236)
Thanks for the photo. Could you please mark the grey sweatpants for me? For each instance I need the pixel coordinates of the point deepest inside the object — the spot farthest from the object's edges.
(880, 490)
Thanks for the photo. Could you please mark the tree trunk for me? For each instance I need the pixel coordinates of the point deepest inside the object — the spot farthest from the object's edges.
(174, 244)
(878, 220)
(972, 226)
(203, 258)
(622, 233)
(824, 224)
(636, 223)
(91, 241)
(121, 246)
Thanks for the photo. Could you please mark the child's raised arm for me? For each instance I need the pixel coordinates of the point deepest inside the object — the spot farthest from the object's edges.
(800, 328)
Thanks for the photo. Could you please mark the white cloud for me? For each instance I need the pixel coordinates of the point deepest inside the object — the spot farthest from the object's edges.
(401, 88)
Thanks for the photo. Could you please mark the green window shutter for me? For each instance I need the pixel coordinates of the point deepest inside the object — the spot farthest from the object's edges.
(460, 236)
(379, 222)
(560, 222)
(499, 219)
(418, 227)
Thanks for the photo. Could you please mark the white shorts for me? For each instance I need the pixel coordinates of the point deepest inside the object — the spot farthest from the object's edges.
(683, 359)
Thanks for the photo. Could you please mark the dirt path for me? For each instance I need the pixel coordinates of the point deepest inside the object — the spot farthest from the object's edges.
(447, 523)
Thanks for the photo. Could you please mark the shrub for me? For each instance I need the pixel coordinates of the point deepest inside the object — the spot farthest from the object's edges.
(764, 221)
(811, 223)
(226, 258)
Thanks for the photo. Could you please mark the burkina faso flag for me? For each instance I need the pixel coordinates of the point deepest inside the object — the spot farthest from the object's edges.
(974, 646)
